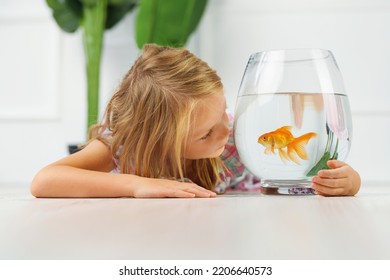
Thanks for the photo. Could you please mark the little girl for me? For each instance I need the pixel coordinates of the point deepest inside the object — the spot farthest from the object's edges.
(164, 135)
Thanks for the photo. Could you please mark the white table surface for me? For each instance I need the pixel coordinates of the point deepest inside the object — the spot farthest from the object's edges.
(231, 226)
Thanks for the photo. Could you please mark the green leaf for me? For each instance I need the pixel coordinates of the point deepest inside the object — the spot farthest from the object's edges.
(76, 7)
(66, 14)
(168, 22)
(89, 3)
(117, 11)
(197, 13)
(320, 165)
(121, 2)
(66, 20)
(55, 4)
(323, 162)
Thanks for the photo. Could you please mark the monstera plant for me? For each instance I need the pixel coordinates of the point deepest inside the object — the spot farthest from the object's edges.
(164, 22)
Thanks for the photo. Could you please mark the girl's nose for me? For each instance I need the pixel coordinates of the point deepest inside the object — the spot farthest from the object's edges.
(224, 129)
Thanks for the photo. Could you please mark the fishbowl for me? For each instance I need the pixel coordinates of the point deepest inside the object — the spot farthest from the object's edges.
(292, 115)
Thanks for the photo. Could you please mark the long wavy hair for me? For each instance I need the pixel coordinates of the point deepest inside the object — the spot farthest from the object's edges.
(149, 115)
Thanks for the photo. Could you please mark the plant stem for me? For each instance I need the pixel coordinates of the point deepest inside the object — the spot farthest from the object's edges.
(94, 20)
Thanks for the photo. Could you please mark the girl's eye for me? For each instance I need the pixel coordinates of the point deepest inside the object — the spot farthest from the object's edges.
(207, 135)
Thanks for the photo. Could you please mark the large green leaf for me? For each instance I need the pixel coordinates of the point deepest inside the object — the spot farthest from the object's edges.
(196, 14)
(76, 6)
(117, 10)
(66, 13)
(55, 4)
(167, 22)
(89, 3)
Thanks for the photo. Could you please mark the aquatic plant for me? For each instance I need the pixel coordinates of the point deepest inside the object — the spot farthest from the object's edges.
(328, 155)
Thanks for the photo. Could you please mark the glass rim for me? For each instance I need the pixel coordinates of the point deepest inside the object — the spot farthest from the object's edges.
(292, 55)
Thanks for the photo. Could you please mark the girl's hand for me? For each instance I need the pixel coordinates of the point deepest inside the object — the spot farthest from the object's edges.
(153, 188)
(340, 180)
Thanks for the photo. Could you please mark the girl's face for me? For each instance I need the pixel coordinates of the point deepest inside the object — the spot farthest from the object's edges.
(210, 132)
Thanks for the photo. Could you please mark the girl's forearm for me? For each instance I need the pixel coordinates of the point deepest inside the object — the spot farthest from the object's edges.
(66, 181)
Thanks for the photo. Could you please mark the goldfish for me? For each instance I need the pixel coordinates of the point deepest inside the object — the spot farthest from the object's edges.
(284, 141)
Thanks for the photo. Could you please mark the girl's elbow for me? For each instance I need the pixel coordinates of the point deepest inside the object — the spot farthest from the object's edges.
(39, 185)
(35, 188)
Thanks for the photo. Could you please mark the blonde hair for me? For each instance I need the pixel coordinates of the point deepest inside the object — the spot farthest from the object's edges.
(149, 115)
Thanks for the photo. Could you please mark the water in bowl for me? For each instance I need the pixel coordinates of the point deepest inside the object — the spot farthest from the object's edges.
(286, 138)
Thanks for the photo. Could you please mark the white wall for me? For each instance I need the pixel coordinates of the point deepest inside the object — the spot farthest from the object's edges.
(42, 84)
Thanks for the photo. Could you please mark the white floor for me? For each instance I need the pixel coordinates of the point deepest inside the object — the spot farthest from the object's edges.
(232, 226)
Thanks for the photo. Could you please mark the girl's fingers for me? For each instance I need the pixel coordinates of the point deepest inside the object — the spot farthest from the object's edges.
(169, 188)
(338, 169)
(181, 194)
(332, 173)
(329, 186)
(199, 191)
(341, 179)
(193, 189)
(328, 173)
(327, 191)
(332, 182)
(334, 163)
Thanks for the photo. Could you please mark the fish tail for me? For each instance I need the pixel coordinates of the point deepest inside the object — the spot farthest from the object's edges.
(306, 137)
(297, 146)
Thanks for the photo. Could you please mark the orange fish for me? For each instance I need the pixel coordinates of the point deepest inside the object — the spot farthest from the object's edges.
(283, 138)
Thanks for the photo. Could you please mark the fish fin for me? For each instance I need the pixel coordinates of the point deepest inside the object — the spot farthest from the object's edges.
(267, 151)
(285, 128)
(283, 155)
(298, 145)
(292, 154)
